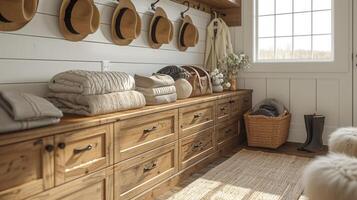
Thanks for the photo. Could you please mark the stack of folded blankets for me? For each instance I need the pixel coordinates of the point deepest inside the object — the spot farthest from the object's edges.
(157, 89)
(21, 111)
(93, 93)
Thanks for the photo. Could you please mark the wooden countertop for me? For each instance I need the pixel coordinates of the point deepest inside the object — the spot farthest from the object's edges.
(75, 122)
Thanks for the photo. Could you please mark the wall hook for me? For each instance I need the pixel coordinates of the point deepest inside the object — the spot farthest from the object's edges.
(153, 5)
(188, 8)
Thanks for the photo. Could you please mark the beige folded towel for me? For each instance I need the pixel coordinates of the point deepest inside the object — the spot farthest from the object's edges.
(91, 83)
(162, 99)
(154, 81)
(23, 106)
(90, 105)
(7, 124)
(157, 91)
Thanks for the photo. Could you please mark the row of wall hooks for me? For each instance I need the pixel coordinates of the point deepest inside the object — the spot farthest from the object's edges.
(80, 18)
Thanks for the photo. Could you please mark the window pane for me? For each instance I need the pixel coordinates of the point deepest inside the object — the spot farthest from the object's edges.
(302, 5)
(284, 6)
(322, 47)
(302, 23)
(284, 48)
(322, 22)
(302, 47)
(266, 7)
(284, 25)
(321, 4)
(266, 48)
(266, 26)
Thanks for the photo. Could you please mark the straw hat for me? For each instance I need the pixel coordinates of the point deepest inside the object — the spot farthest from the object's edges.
(160, 30)
(188, 34)
(126, 23)
(78, 18)
(14, 14)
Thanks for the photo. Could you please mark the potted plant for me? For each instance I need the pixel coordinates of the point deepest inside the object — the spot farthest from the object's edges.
(232, 64)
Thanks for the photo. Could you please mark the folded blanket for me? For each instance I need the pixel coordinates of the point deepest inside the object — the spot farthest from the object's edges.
(162, 99)
(157, 91)
(7, 124)
(91, 83)
(97, 104)
(154, 81)
(22, 106)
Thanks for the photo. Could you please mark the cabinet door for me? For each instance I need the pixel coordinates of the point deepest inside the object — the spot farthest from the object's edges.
(26, 168)
(79, 153)
(96, 186)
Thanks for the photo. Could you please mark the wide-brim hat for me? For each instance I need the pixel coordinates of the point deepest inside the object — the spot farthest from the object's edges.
(188, 34)
(126, 23)
(78, 19)
(14, 14)
(160, 30)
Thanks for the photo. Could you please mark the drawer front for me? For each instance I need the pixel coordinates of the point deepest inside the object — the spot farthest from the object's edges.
(26, 168)
(241, 104)
(141, 134)
(196, 147)
(136, 175)
(96, 186)
(226, 131)
(82, 152)
(223, 110)
(196, 118)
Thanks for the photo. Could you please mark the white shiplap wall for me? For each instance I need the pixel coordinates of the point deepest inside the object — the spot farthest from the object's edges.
(30, 56)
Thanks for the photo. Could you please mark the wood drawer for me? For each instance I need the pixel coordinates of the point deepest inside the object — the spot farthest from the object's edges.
(96, 186)
(136, 175)
(196, 147)
(141, 134)
(223, 110)
(226, 131)
(241, 104)
(82, 152)
(26, 168)
(196, 118)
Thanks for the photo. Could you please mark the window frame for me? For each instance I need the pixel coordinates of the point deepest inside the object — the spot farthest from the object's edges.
(292, 60)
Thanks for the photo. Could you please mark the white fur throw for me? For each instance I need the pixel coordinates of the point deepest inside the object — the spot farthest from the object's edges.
(332, 177)
(344, 140)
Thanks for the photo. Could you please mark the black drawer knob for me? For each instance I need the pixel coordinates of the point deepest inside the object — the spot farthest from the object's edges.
(49, 148)
(61, 145)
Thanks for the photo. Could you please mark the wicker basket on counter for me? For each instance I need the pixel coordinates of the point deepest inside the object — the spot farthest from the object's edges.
(267, 132)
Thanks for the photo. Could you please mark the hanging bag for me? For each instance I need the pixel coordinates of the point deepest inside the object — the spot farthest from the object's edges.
(200, 81)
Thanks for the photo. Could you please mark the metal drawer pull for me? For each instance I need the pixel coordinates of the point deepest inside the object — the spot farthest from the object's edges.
(196, 145)
(197, 115)
(150, 166)
(78, 151)
(246, 100)
(232, 101)
(222, 109)
(150, 130)
(229, 130)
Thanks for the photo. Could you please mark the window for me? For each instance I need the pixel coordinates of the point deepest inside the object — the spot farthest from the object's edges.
(293, 30)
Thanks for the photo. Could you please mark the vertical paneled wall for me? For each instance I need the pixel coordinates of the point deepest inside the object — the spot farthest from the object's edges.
(329, 94)
(30, 56)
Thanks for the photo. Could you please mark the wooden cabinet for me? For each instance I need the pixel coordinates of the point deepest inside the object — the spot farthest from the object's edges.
(26, 168)
(196, 118)
(96, 186)
(196, 147)
(138, 174)
(138, 135)
(122, 155)
(82, 152)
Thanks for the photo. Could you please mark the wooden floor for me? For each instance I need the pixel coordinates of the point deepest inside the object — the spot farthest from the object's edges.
(288, 148)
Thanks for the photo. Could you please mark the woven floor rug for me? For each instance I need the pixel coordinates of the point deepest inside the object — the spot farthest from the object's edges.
(249, 175)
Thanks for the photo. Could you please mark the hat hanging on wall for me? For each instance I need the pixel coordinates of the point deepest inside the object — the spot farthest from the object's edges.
(188, 34)
(161, 29)
(78, 19)
(126, 23)
(14, 14)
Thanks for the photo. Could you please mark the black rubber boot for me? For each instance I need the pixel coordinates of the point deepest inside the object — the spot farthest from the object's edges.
(316, 143)
(308, 126)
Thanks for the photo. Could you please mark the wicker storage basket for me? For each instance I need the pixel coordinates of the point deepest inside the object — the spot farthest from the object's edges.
(267, 132)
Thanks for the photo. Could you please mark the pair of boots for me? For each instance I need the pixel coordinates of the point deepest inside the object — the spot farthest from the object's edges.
(314, 127)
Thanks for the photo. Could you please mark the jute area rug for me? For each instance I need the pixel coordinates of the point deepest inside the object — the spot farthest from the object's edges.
(249, 175)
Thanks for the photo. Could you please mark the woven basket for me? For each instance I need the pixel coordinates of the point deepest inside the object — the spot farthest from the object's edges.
(267, 132)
